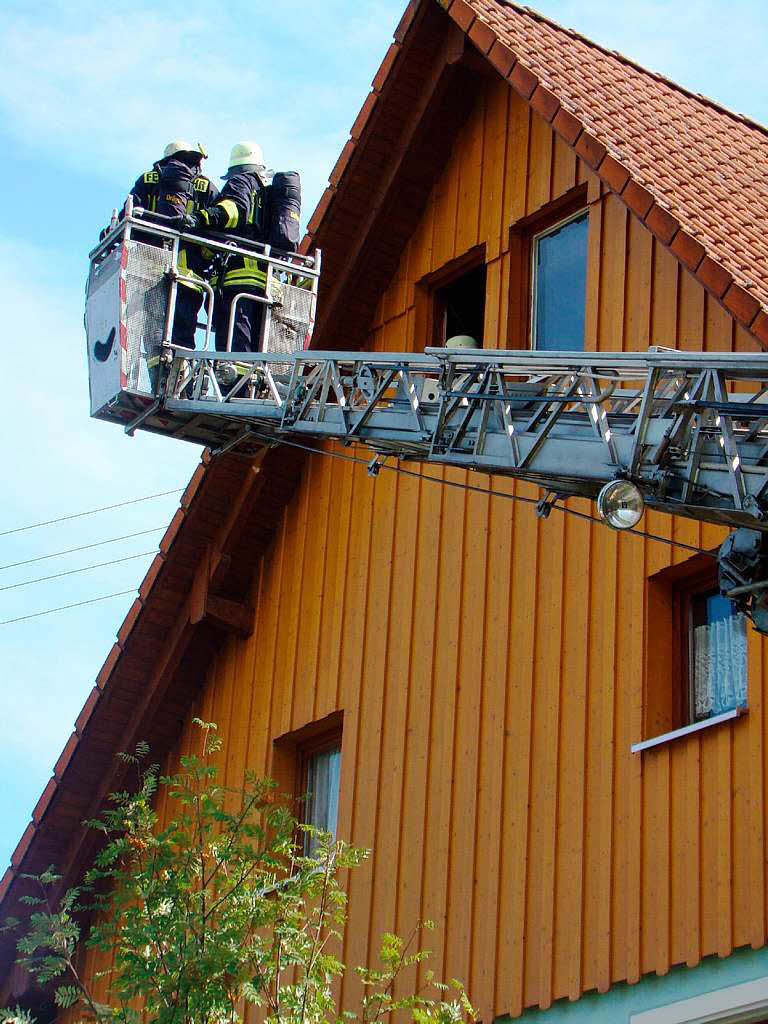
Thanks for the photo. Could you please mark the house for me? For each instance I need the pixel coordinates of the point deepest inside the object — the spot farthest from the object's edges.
(472, 677)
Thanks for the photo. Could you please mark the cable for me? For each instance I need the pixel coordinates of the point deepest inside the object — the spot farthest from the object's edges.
(72, 572)
(83, 547)
(499, 494)
(64, 607)
(90, 512)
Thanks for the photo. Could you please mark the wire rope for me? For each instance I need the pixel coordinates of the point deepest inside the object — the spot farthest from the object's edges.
(72, 572)
(82, 547)
(90, 512)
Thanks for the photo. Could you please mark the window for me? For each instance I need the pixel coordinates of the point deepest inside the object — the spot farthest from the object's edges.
(306, 765)
(451, 301)
(322, 775)
(559, 285)
(696, 652)
(460, 307)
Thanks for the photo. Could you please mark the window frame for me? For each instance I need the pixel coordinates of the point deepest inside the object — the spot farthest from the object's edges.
(427, 318)
(569, 205)
(534, 239)
(290, 758)
(668, 698)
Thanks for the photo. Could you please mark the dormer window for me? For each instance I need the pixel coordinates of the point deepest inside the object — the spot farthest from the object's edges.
(559, 285)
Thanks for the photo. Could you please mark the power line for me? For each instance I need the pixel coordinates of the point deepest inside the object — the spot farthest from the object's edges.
(90, 512)
(499, 494)
(64, 607)
(72, 572)
(82, 547)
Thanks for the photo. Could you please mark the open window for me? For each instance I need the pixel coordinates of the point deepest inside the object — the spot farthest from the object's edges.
(696, 656)
(460, 307)
(451, 301)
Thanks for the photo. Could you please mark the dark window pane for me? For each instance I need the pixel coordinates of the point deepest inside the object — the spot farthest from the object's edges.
(718, 656)
(560, 286)
(323, 777)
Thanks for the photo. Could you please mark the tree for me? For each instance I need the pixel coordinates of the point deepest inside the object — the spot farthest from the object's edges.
(220, 908)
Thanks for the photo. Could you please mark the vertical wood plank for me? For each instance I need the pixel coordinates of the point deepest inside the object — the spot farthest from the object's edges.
(517, 760)
(492, 226)
(471, 182)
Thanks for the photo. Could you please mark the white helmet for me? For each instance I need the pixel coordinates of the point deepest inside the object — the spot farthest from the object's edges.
(462, 341)
(182, 146)
(246, 153)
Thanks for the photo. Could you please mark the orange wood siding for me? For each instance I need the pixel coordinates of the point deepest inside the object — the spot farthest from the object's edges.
(490, 664)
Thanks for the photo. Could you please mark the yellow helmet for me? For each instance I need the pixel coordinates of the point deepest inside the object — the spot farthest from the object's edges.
(182, 146)
(246, 153)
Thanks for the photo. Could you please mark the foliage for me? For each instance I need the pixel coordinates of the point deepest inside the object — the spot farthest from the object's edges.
(215, 910)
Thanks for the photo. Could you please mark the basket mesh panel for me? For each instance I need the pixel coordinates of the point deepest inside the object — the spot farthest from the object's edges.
(290, 322)
(146, 307)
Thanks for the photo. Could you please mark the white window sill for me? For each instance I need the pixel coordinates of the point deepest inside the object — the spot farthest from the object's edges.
(686, 730)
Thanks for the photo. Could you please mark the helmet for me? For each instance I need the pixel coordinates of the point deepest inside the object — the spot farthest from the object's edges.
(182, 146)
(246, 153)
(461, 341)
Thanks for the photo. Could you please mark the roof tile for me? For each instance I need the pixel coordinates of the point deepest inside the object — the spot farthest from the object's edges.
(662, 223)
(545, 103)
(502, 58)
(703, 165)
(523, 80)
(45, 798)
(637, 198)
(106, 669)
(566, 125)
(738, 301)
(590, 149)
(482, 36)
(23, 845)
(87, 711)
(713, 276)
(687, 249)
(462, 14)
(65, 756)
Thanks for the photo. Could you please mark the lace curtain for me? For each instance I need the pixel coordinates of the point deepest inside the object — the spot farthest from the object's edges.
(718, 656)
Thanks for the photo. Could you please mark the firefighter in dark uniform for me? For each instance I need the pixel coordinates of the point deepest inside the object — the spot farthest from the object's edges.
(241, 211)
(176, 189)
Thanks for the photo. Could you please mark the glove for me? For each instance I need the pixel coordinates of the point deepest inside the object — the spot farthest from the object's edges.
(191, 222)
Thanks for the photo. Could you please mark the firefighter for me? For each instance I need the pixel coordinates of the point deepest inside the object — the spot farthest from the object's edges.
(176, 189)
(241, 211)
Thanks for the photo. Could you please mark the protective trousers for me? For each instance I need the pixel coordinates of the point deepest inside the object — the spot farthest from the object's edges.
(249, 316)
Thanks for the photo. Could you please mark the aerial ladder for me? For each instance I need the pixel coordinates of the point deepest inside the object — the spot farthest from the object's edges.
(681, 432)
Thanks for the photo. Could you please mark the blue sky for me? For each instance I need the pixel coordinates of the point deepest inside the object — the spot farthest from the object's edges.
(88, 98)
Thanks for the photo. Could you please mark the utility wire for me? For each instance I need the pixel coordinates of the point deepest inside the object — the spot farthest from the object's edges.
(362, 462)
(90, 512)
(72, 572)
(83, 547)
(499, 494)
(64, 607)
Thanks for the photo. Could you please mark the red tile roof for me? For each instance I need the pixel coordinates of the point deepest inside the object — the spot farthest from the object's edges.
(695, 172)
